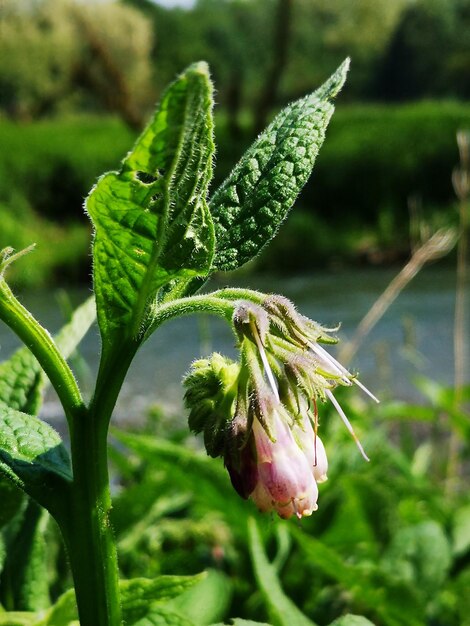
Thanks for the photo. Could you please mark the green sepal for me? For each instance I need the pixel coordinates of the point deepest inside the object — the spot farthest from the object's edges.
(33, 457)
(250, 205)
(152, 223)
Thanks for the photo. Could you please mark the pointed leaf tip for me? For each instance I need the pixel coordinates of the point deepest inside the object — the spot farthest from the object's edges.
(9, 256)
(331, 88)
(200, 67)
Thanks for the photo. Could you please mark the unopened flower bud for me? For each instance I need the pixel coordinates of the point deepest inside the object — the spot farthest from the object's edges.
(250, 319)
(211, 388)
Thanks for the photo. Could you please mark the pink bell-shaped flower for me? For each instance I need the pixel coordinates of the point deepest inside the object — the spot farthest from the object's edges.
(286, 481)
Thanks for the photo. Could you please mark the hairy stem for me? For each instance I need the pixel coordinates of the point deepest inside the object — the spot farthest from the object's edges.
(89, 535)
(41, 344)
(187, 306)
(220, 303)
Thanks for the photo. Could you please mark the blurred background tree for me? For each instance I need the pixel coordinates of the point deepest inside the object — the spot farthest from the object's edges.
(118, 55)
(57, 55)
(79, 77)
(428, 54)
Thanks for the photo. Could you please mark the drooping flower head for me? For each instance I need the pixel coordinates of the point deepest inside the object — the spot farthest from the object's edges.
(260, 414)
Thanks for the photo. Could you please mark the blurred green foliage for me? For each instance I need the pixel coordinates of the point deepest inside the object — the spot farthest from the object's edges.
(58, 55)
(46, 170)
(115, 57)
(401, 49)
(376, 160)
(114, 54)
(390, 541)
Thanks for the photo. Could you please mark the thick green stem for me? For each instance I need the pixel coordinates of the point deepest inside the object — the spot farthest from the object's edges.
(89, 535)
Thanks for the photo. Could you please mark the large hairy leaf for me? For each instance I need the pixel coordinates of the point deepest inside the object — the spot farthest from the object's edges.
(151, 218)
(253, 201)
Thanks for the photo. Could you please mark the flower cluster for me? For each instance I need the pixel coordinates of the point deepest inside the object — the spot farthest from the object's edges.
(260, 414)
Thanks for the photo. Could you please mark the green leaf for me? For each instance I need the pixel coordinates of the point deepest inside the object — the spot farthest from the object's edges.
(282, 610)
(22, 381)
(26, 574)
(73, 332)
(461, 531)
(250, 205)
(32, 455)
(62, 613)
(328, 560)
(243, 622)
(13, 503)
(420, 555)
(140, 598)
(138, 594)
(18, 618)
(191, 472)
(460, 587)
(151, 218)
(11, 498)
(394, 601)
(352, 620)
(161, 616)
(207, 601)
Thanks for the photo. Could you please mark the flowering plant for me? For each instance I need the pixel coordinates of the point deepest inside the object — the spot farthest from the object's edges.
(261, 415)
(157, 238)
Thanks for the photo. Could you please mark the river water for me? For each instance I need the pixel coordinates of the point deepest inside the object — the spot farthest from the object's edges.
(414, 337)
